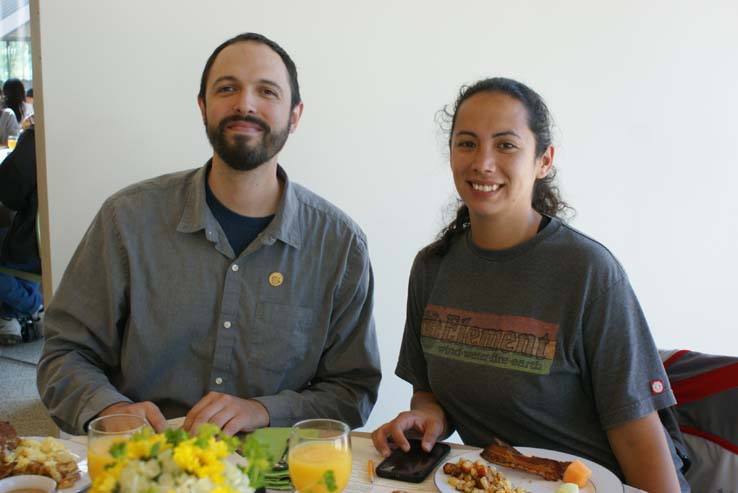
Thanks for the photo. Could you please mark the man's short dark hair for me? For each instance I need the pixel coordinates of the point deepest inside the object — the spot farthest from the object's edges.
(258, 38)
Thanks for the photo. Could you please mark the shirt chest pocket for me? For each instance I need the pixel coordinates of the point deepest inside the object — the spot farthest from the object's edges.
(280, 335)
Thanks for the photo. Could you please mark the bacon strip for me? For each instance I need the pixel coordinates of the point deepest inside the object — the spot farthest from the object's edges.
(8, 437)
(502, 454)
(8, 441)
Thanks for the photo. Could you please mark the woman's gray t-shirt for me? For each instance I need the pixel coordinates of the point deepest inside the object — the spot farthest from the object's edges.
(542, 345)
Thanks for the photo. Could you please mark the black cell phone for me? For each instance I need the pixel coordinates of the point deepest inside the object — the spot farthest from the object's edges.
(413, 466)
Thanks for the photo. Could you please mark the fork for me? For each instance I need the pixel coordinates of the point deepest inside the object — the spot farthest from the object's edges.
(282, 465)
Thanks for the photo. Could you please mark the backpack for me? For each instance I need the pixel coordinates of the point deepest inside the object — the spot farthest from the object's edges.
(706, 390)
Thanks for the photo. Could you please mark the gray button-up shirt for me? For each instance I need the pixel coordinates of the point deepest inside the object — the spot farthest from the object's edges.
(154, 305)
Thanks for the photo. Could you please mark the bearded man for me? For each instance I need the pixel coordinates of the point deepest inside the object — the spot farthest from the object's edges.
(226, 294)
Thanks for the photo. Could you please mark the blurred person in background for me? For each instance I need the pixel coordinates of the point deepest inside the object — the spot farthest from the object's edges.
(20, 300)
(14, 109)
(28, 113)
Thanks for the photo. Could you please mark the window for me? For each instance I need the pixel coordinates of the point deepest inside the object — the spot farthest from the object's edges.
(15, 60)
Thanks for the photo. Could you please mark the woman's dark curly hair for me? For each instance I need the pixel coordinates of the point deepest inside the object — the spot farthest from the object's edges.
(546, 197)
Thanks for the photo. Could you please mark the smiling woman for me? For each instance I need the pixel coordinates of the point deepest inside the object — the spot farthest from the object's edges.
(495, 165)
(503, 131)
(543, 317)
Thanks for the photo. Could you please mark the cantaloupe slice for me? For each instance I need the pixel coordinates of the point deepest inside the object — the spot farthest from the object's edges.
(577, 473)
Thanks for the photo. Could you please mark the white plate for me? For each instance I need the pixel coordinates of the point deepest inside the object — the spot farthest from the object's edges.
(79, 454)
(601, 481)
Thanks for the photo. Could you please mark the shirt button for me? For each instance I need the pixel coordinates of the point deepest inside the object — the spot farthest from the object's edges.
(219, 380)
(234, 268)
(227, 324)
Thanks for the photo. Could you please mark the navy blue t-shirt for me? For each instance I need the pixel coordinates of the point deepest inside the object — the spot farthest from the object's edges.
(240, 230)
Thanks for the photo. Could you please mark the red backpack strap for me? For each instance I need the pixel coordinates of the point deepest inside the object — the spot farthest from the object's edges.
(690, 430)
(705, 384)
(671, 359)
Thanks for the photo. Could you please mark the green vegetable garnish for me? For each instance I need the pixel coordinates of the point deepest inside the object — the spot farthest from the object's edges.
(155, 450)
(330, 480)
(174, 437)
(118, 450)
(257, 455)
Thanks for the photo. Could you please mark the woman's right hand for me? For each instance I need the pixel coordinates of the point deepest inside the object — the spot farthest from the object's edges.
(426, 417)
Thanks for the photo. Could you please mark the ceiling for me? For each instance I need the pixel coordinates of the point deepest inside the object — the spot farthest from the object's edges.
(14, 25)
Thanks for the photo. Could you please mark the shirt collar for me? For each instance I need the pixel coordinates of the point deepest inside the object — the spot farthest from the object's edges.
(195, 211)
(285, 226)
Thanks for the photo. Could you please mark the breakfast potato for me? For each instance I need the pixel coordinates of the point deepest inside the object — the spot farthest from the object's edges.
(477, 477)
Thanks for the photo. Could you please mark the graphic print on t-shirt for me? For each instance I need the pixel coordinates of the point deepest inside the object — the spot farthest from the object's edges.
(505, 341)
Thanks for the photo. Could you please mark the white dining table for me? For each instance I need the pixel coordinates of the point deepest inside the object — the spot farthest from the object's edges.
(362, 451)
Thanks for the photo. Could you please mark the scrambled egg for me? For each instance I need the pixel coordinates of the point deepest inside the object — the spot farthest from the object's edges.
(47, 458)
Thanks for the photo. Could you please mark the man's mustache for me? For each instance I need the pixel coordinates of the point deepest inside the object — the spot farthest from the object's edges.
(245, 118)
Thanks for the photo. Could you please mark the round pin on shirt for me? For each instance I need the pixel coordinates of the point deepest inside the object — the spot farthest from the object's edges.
(276, 279)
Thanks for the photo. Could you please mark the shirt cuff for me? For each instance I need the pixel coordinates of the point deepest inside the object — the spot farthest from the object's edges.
(279, 409)
(95, 405)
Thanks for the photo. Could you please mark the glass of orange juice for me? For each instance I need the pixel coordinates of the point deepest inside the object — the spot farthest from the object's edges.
(106, 431)
(317, 446)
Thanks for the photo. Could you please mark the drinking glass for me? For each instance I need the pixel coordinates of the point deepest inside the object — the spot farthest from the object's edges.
(12, 141)
(105, 432)
(317, 446)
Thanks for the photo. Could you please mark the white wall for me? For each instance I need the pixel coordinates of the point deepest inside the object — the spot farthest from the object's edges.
(644, 94)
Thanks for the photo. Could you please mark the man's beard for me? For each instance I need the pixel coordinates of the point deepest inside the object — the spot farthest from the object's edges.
(240, 155)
